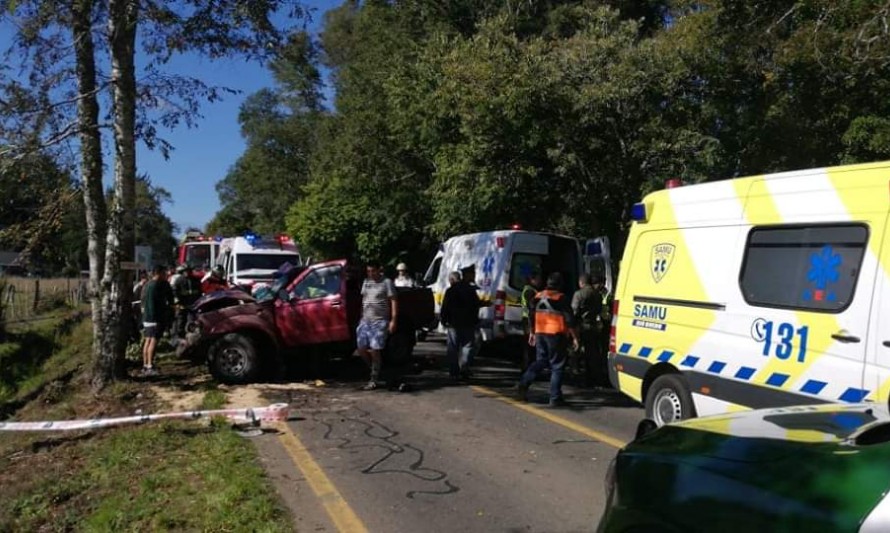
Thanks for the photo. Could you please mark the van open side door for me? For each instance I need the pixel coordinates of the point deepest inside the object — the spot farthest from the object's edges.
(598, 260)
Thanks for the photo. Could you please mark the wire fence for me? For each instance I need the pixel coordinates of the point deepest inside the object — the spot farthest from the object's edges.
(23, 298)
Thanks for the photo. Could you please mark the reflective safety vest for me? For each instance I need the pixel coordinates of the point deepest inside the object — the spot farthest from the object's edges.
(549, 321)
(528, 293)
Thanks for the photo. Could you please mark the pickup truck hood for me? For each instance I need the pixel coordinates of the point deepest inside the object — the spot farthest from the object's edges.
(221, 299)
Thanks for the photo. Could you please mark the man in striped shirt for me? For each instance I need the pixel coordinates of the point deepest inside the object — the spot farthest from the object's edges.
(379, 313)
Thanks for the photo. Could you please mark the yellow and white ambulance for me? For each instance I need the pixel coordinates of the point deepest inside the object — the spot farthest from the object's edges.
(765, 291)
(503, 261)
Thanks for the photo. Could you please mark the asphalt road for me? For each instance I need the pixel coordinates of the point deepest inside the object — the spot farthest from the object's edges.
(448, 457)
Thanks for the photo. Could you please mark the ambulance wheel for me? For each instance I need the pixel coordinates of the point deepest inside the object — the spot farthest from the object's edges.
(669, 400)
(234, 359)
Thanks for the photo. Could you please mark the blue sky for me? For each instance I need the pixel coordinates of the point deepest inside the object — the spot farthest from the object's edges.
(203, 154)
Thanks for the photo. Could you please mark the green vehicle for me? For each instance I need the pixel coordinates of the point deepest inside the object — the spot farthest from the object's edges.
(808, 469)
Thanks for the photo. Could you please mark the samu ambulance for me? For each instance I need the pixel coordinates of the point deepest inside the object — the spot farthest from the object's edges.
(252, 259)
(503, 261)
(765, 291)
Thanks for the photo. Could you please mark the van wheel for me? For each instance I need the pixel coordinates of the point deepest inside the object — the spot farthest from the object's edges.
(234, 360)
(669, 400)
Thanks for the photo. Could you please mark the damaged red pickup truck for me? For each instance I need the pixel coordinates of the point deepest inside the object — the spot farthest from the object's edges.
(312, 308)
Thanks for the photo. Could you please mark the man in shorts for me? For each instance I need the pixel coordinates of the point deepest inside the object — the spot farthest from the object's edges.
(379, 313)
(156, 305)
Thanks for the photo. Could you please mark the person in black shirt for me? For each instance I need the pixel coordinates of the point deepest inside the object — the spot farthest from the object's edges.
(186, 291)
(460, 315)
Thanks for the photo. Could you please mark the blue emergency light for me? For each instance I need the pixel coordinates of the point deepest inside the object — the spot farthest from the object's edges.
(251, 237)
(638, 212)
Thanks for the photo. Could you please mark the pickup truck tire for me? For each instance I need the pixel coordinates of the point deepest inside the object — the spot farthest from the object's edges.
(234, 360)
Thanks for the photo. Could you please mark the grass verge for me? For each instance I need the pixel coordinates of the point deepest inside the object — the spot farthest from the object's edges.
(168, 477)
(157, 476)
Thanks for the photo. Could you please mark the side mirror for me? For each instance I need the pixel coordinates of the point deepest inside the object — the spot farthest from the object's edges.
(283, 295)
(645, 427)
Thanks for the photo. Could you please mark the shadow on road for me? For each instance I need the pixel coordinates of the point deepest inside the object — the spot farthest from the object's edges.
(428, 373)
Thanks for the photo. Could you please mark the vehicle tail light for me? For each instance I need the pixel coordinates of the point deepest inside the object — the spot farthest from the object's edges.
(613, 343)
(500, 307)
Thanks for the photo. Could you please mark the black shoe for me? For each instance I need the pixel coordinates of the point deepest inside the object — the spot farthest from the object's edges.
(522, 392)
(558, 402)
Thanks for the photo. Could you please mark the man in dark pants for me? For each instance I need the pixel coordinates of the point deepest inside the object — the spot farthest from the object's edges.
(460, 315)
(587, 305)
(532, 286)
(551, 321)
(156, 304)
(186, 291)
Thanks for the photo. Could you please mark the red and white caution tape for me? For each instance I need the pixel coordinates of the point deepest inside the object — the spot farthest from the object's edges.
(254, 415)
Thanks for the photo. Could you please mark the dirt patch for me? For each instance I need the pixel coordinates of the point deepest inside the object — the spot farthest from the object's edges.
(186, 396)
(260, 394)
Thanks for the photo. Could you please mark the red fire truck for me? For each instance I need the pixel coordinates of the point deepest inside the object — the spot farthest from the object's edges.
(198, 251)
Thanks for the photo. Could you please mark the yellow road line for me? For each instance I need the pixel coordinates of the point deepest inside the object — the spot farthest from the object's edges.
(341, 513)
(556, 419)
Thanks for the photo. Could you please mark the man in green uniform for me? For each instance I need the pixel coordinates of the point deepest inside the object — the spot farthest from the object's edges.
(587, 304)
(526, 300)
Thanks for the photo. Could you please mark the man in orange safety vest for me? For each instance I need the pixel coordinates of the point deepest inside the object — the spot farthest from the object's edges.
(551, 321)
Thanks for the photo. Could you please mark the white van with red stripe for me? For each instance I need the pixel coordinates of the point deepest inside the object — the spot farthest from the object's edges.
(503, 261)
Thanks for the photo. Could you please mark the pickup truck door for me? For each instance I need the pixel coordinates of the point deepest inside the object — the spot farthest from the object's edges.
(316, 310)
(598, 260)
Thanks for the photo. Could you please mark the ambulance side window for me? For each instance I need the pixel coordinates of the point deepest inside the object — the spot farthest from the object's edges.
(522, 266)
(803, 267)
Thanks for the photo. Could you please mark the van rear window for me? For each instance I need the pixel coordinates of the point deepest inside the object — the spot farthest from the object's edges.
(803, 267)
(522, 267)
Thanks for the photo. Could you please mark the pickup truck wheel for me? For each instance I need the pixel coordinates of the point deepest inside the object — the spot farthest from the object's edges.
(669, 400)
(234, 360)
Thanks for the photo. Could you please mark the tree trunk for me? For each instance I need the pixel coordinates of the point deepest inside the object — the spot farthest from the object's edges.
(117, 299)
(90, 161)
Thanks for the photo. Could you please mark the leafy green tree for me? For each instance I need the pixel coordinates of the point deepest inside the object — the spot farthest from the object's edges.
(280, 127)
(59, 97)
(153, 227)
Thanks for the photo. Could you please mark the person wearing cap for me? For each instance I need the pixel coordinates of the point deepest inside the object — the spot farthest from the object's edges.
(215, 280)
(403, 279)
(174, 275)
(551, 322)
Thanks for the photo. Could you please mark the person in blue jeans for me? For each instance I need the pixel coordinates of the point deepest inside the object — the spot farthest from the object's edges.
(551, 321)
(460, 315)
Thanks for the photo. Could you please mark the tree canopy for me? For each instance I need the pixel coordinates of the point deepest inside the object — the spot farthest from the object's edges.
(461, 115)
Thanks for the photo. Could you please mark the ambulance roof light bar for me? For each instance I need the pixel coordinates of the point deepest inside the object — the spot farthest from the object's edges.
(639, 213)
(251, 237)
(673, 183)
